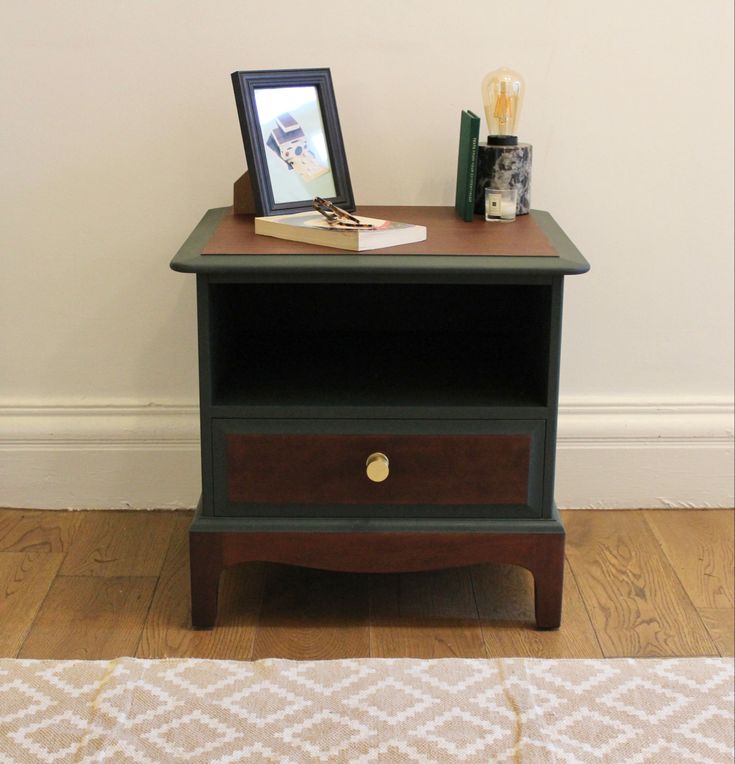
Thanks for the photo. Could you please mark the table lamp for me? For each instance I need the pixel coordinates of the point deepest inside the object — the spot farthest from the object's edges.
(503, 162)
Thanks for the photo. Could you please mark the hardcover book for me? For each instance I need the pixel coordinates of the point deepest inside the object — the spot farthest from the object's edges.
(469, 138)
(312, 228)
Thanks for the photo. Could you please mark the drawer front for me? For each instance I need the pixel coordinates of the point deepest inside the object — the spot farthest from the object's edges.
(310, 468)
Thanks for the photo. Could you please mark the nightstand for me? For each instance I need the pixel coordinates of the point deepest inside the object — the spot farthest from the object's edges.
(384, 411)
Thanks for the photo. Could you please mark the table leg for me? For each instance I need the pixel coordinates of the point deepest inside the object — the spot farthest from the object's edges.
(548, 582)
(205, 565)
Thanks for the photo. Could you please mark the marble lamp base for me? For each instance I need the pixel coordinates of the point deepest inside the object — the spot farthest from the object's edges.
(504, 167)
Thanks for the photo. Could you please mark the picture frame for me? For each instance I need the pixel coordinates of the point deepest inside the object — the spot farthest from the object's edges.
(292, 138)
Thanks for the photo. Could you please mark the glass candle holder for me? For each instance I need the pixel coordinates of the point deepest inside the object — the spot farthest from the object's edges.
(500, 205)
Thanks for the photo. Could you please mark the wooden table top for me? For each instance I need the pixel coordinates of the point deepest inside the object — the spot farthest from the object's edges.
(533, 244)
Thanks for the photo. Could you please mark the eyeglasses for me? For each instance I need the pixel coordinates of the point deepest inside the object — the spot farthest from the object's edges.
(336, 216)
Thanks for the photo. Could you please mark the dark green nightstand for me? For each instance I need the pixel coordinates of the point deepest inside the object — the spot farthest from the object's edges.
(440, 371)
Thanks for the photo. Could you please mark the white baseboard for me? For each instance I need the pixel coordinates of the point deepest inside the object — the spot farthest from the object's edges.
(99, 457)
(623, 454)
(611, 454)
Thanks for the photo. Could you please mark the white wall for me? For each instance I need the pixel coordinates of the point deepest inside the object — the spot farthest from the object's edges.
(119, 130)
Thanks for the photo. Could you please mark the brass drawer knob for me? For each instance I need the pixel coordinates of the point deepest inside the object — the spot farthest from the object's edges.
(377, 467)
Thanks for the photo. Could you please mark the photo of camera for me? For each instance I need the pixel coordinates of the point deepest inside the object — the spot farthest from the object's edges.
(288, 141)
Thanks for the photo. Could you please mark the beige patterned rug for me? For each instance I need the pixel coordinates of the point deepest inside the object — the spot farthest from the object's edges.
(371, 710)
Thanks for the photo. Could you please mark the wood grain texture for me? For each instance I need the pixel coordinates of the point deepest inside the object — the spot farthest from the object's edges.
(37, 530)
(424, 615)
(634, 597)
(90, 617)
(424, 469)
(720, 624)
(313, 614)
(637, 604)
(119, 544)
(699, 544)
(25, 578)
(504, 596)
(167, 632)
(447, 234)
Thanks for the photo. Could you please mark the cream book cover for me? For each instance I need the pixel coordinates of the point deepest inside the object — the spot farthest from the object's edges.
(312, 228)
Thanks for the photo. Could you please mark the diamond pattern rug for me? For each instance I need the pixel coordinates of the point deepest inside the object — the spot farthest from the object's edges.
(370, 710)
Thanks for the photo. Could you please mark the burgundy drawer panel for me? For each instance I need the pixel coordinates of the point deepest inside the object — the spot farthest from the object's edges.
(424, 468)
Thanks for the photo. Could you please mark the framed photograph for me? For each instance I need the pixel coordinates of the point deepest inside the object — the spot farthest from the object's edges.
(293, 142)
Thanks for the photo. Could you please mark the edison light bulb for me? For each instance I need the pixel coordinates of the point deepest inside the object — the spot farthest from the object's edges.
(502, 97)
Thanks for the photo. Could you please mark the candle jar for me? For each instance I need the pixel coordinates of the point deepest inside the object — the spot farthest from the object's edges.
(500, 205)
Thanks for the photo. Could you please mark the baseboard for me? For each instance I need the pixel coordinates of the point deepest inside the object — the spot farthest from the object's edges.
(611, 454)
(624, 454)
(99, 457)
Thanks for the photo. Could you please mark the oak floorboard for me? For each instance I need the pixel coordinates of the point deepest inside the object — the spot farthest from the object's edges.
(699, 545)
(636, 602)
(167, 632)
(312, 614)
(28, 530)
(507, 618)
(424, 615)
(638, 573)
(719, 623)
(125, 543)
(90, 617)
(25, 579)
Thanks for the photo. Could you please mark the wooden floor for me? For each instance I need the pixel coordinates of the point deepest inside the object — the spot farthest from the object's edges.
(98, 585)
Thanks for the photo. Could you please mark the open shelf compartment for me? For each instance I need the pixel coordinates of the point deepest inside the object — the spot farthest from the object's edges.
(379, 344)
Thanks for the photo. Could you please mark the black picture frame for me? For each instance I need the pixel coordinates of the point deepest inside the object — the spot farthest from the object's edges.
(265, 170)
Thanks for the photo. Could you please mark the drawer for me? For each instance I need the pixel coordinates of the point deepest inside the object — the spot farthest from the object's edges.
(434, 468)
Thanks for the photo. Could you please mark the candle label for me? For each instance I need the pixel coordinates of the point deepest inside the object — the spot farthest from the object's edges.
(492, 205)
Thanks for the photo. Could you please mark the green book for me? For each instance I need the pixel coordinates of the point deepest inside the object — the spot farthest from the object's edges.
(469, 137)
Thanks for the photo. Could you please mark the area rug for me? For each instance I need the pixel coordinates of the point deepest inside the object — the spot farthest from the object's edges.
(371, 710)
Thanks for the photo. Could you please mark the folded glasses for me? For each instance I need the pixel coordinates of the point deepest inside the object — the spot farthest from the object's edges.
(336, 216)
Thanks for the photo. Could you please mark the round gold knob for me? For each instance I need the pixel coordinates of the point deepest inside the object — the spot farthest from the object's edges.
(377, 467)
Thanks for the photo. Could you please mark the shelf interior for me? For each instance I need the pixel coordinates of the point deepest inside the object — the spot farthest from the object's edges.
(379, 344)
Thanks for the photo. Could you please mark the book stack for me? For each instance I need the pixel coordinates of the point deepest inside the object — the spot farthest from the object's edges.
(469, 138)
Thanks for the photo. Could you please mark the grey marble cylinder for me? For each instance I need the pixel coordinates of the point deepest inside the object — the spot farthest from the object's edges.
(504, 167)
